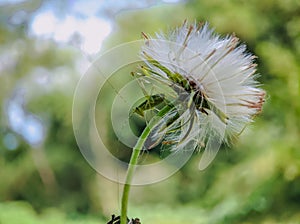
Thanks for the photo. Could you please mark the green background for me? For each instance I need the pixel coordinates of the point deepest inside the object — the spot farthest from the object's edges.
(257, 180)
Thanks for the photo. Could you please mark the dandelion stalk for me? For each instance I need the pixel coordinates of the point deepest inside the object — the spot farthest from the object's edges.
(134, 159)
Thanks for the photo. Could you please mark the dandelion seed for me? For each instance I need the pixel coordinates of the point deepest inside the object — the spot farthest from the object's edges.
(214, 77)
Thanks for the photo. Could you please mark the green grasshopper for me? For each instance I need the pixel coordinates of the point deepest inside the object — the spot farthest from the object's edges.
(187, 89)
(150, 103)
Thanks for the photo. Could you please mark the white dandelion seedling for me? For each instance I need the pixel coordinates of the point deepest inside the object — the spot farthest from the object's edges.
(213, 92)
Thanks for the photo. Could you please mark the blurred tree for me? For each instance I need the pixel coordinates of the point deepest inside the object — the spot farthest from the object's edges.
(39, 76)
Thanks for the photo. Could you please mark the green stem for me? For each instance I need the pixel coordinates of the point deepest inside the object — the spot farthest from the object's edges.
(134, 159)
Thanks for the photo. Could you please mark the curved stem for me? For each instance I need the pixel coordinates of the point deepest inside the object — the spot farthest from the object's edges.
(134, 159)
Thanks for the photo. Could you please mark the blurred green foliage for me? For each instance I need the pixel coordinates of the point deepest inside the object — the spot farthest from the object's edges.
(255, 181)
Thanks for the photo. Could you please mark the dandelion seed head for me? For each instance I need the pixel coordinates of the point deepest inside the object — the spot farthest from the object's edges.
(220, 67)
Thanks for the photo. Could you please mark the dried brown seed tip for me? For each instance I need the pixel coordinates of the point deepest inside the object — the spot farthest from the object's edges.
(199, 25)
(144, 36)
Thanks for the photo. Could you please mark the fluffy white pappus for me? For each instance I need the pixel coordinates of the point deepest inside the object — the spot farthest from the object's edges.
(218, 67)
